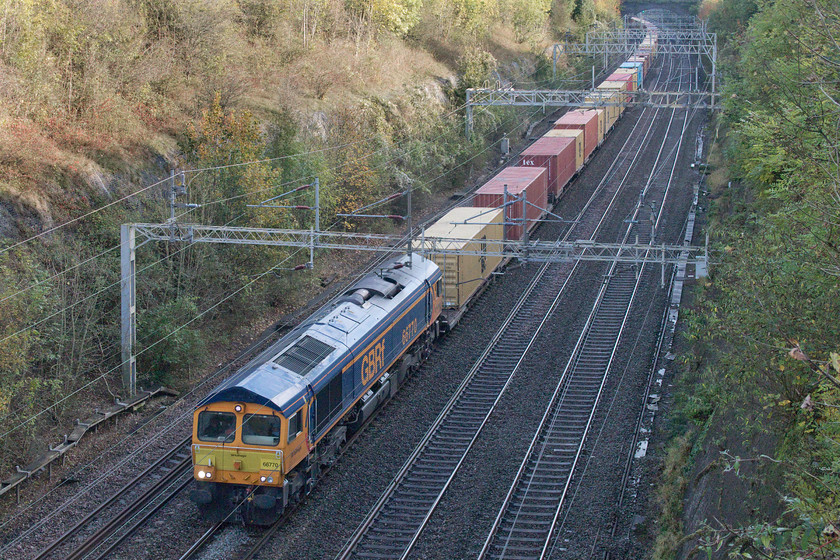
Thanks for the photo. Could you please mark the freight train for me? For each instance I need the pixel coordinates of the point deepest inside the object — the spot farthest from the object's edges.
(261, 439)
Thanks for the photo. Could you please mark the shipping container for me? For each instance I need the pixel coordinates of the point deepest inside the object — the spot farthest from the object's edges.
(639, 67)
(533, 181)
(576, 135)
(557, 155)
(629, 77)
(465, 229)
(646, 52)
(641, 59)
(610, 112)
(602, 125)
(618, 87)
(586, 120)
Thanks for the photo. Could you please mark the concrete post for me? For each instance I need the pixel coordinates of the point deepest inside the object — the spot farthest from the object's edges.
(317, 205)
(128, 309)
(469, 123)
(714, 70)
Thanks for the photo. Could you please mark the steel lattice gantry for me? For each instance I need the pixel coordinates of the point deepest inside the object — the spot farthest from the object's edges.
(584, 98)
(706, 47)
(688, 42)
(636, 36)
(668, 19)
(587, 98)
(536, 250)
(684, 38)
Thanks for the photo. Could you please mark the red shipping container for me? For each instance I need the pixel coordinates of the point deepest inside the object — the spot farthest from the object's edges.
(587, 121)
(557, 155)
(532, 180)
(624, 77)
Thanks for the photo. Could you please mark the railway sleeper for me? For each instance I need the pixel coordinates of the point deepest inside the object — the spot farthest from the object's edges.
(514, 526)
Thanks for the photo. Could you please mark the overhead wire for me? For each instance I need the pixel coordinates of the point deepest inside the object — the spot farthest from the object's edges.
(206, 311)
(65, 271)
(254, 280)
(83, 216)
(201, 314)
(216, 305)
(355, 160)
(91, 296)
(106, 359)
(168, 427)
(484, 109)
(196, 170)
(86, 298)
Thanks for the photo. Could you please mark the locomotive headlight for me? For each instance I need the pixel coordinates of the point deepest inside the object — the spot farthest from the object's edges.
(238, 408)
(203, 472)
(262, 479)
(270, 479)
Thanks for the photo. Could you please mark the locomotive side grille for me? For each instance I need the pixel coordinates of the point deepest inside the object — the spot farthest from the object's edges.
(304, 355)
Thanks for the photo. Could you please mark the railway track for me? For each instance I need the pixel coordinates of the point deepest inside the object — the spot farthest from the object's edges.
(528, 520)
(394, 524)
(89, 538)
(446, 448)
(489, 381)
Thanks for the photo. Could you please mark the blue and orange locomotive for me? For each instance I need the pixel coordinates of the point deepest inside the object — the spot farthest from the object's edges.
(261, 438)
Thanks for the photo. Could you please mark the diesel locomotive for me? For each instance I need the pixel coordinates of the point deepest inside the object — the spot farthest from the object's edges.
(261, 438)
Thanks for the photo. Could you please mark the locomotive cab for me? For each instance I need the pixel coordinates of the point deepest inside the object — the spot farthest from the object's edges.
(242, 454)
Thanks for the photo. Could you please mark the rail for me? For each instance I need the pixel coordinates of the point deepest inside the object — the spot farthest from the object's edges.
(169, 468)
(71, 440)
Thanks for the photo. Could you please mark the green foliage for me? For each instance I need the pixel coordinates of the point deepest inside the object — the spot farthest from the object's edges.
(584, 13)
(473, 16)
(529, 17)
(728, 18)
(95, 88)
(260, 17)
(179, 346)
(18, 311)
(395, 16)
(766, 326)
(221, 139)
(477, 68)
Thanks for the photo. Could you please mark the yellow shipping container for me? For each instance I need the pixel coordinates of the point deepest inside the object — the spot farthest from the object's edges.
(467, 228)
(602, 125)
(612, 111)
(577, 135)
(618, 87)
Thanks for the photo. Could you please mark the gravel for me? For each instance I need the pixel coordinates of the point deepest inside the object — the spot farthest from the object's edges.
(458, 527)
(340, 502)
